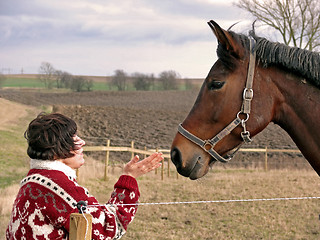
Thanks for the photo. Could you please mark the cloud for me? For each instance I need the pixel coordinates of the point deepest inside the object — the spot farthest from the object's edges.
(194, 8)
(166, 20)
(104, 32)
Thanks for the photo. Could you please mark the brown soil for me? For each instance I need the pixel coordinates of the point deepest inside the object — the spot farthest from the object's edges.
(148, 118)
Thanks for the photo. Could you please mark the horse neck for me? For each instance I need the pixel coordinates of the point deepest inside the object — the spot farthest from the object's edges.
(297, 111)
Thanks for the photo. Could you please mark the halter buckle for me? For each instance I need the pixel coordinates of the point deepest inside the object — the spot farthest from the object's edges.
(247, 94)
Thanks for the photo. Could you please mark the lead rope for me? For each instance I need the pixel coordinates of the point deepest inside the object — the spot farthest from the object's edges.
(82, 206)
(87, 225)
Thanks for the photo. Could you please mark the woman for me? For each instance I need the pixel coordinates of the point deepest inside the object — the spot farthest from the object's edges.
(50, 192)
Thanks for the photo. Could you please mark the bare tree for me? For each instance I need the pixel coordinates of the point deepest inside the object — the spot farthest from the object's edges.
(119, 79)
(63, 79)
(80, 84)
(142, 81)
(298, 21)
(88, 85)
(152, 81)
(168, 80)
(46, 74)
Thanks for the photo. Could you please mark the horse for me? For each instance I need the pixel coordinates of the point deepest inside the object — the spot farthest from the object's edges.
(253, 82)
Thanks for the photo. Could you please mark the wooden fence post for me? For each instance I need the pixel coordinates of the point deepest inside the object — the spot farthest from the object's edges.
(145, 155)
(156, 170)
(80, 226)
(106, 163)
(266, 160)
(149, 152)
(77, 173)
(162, 168)
(132, 146)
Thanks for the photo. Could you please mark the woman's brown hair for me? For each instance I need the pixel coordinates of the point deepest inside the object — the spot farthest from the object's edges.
(50, 137)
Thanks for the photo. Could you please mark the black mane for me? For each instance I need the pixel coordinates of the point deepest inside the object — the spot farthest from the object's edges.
(304, 63)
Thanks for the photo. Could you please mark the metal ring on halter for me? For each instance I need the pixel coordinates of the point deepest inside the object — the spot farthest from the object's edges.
(206, 144)
(243, 120)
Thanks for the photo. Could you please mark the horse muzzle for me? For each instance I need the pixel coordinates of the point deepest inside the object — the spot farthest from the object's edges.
(193, 167)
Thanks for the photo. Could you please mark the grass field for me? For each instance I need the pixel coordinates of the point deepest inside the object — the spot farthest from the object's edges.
(23, 83)
(13, 159)
(33, 82)
(294, 219)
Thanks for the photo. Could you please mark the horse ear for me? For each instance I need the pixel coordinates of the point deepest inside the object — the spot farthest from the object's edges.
(226, 39)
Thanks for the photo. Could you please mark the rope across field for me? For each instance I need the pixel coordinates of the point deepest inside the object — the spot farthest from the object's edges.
(166, 153)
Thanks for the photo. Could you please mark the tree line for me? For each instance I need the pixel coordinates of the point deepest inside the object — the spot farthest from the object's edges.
(120, 81)
(167, 80)
(51, 77)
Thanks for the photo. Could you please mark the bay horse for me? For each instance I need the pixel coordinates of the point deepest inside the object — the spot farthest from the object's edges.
(253, 82)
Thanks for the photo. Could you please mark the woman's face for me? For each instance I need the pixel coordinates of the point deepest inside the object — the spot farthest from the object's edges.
(77, 160)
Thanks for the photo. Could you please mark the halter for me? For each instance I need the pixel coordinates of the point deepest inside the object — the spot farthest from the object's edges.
(208, 145)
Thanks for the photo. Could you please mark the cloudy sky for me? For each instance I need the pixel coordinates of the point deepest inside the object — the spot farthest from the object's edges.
(96, 37)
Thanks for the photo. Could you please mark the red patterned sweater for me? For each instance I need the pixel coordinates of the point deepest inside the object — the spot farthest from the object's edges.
(49, 194)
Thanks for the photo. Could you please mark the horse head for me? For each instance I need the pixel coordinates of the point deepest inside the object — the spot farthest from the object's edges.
(219, 120)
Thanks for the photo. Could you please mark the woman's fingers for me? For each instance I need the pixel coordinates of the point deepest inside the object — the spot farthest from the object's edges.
(153, 161)
(137, 168)
(135, 159)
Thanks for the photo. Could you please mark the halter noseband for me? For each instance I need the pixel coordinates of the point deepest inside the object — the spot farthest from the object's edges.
(247, 96)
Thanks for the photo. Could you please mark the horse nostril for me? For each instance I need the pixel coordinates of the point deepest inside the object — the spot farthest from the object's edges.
(176, 157)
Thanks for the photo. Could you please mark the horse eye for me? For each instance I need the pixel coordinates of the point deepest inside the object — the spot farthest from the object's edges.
(215, 85)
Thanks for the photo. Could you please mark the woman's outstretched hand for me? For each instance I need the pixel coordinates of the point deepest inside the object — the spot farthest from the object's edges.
(136, 168)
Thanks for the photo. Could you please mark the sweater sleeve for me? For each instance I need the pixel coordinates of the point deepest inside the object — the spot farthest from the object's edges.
(126, 191)
(110, 221)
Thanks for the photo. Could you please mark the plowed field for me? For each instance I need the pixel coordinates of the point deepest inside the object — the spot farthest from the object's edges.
(148, 118)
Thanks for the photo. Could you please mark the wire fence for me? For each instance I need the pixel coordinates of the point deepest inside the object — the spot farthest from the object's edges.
(81, 223)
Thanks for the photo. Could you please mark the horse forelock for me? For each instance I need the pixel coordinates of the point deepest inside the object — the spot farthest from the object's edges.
(227, 58)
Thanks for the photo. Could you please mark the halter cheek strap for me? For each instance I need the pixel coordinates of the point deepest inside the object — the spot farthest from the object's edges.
(208, 145)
